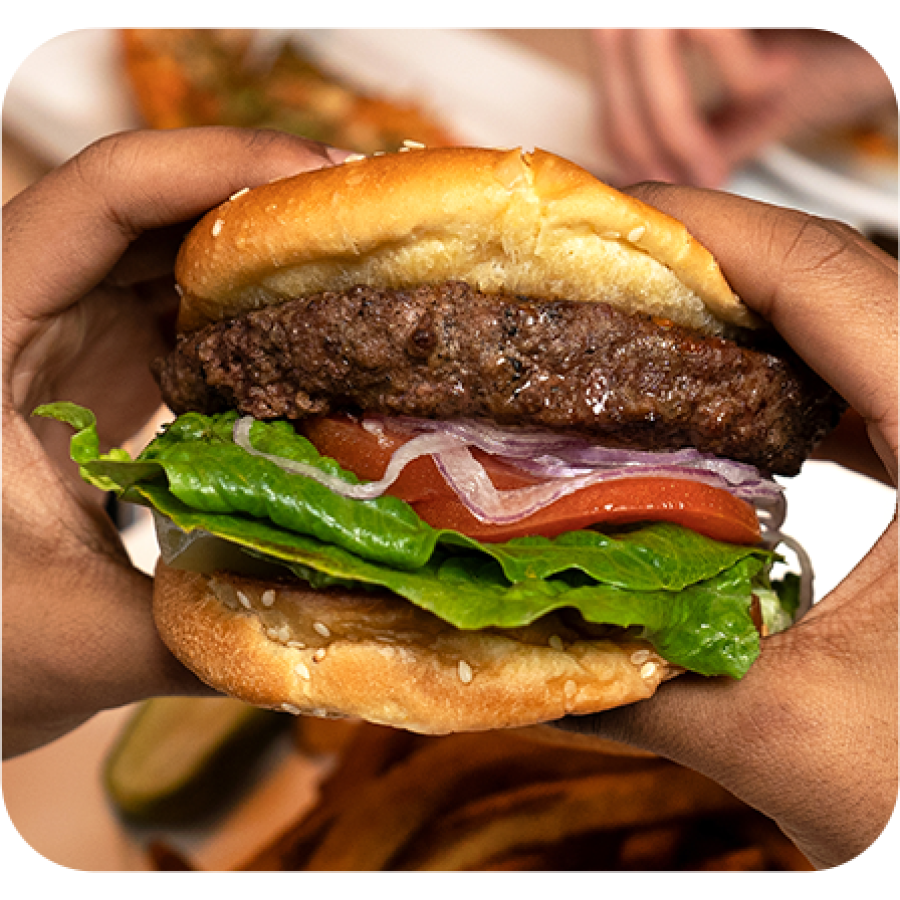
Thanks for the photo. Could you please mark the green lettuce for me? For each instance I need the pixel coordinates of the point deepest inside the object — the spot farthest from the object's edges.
(688, 595)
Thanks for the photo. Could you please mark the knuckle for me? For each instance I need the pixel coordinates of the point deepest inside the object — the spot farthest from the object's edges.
(112, 153)
(271, 143)
(818, 246)
(110, 160)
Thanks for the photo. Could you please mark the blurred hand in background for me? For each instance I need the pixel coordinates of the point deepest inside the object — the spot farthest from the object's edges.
(692, 105)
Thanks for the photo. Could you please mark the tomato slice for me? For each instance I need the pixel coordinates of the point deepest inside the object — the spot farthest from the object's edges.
(367, 455)
(700, 507)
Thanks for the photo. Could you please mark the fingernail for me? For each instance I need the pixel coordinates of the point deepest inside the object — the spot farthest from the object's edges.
(337, 155)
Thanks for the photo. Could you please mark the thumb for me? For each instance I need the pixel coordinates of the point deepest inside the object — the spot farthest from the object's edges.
(830, 293)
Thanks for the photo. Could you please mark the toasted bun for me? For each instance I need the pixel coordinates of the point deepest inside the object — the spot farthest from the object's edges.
(531, 224)
(373, 656)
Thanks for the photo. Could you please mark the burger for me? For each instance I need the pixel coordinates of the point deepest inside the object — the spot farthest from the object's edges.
(465, 439)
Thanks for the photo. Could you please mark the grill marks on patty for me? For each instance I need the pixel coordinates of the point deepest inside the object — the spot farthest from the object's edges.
(448, 351)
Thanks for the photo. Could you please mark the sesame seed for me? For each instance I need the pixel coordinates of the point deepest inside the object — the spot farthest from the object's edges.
(637, 233)
(465, 672)
(239, 193)
(218, 225)
(355, 157)
(639, 657)
(268, 597)
(319, 655)
(245, 600)
(297, 645)
(290, 708)
(302, 671)
(555, 642)
(322, 629)
(413, 145)
(648, 669)
(282, 634)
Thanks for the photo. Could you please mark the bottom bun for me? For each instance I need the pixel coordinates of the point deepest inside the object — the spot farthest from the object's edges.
(372, 655)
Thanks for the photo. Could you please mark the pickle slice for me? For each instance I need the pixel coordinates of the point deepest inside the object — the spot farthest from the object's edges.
(181, 758)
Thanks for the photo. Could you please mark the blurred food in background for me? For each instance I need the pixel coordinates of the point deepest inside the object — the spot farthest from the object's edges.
(183, 77)
(532, 799)
(877, 142)
(867, 151)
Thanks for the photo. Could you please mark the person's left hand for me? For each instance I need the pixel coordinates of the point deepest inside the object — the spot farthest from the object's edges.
(88, 301)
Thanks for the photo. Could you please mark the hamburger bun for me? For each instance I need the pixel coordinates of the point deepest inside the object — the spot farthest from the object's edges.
(320, 283)
(532, 224)
(377, 657)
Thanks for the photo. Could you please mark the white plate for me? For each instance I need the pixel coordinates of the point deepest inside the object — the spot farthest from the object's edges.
(865, 203)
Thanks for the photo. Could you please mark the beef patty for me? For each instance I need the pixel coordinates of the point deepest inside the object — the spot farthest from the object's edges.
(449, 351)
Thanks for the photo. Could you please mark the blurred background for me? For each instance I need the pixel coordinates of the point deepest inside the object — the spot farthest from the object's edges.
(806, 120)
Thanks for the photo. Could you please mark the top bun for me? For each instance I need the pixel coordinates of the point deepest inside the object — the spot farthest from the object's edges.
(531, 224)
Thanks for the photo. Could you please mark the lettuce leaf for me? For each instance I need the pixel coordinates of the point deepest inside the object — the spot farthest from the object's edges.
(689, 595)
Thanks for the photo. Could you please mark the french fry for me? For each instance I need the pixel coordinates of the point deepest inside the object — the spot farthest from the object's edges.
(575, 740)
(746, 859)
(550, 812)
(324, 737)
(373, 750)
(651, 849)
(444, 772)
(165, 858)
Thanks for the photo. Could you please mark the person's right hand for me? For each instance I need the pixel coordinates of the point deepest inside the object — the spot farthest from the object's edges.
(809, 735)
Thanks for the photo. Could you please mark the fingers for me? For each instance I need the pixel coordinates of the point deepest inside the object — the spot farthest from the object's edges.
(97, 647)
(652, 121)
(783, 732)
(689, 105)
(830, 293)
(755, 81)
(623, 129)
(673, 110)
(65, 233)
(746, 71)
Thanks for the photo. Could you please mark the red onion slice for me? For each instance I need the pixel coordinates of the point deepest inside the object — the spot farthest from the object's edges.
(475, 489)
(547, 455)
(423, 445)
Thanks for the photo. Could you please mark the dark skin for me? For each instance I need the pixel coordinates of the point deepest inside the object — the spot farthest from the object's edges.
(809, 736)
(88, 301)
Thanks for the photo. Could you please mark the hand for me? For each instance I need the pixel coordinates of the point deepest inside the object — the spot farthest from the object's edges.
(692, 105)
(88, 301)
(809, 736)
